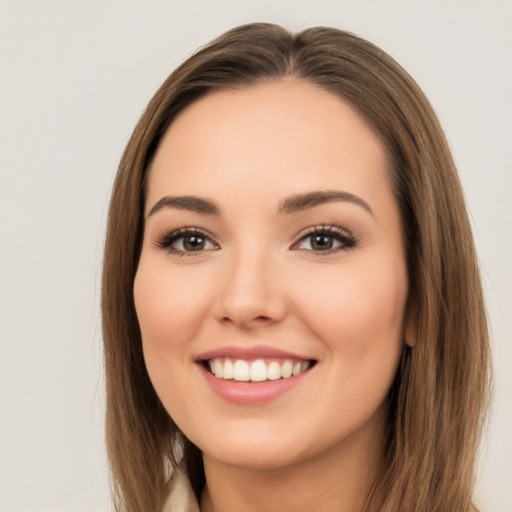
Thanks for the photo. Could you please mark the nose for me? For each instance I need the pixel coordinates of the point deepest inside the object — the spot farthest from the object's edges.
(252, 292)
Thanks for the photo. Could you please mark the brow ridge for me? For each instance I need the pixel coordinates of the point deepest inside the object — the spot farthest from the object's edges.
(191, 203)
(308, 200)
(292, 204)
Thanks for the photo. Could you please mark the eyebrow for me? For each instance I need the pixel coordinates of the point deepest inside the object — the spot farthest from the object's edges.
(308, 200)
(191, 203)
(292, 204)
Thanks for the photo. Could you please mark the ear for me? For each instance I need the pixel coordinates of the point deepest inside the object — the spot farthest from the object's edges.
(411, 325)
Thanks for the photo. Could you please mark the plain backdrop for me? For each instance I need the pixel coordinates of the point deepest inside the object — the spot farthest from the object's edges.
(74, 78)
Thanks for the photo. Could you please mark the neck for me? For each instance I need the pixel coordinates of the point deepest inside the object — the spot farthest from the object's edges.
(340, 479)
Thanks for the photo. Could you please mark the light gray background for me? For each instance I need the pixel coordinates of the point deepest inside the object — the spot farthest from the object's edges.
(75, 76)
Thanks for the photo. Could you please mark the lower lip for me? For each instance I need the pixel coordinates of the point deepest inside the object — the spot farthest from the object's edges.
(251, 393)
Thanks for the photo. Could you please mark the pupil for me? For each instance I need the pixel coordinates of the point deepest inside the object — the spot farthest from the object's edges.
(193, 243)
(322, 242)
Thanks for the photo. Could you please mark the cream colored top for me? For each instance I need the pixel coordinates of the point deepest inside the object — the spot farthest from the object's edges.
(181, 496)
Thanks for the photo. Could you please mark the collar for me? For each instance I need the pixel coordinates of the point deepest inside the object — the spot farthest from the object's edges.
(181, 496)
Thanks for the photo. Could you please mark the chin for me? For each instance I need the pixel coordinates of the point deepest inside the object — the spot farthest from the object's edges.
(252, 448)
(254, 458)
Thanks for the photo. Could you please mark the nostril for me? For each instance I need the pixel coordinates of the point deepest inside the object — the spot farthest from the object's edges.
(246, 322)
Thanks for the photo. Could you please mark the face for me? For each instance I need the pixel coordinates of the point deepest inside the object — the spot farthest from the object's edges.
(272, 281)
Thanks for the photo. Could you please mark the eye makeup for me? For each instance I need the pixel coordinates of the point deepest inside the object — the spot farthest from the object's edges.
(325, 239)
(319, 239)
(186, 241)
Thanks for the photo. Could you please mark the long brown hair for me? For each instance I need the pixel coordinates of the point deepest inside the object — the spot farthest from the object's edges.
(438, 400)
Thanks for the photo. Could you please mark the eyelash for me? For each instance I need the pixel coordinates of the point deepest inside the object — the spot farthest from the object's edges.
(346, 240)
(166, 241)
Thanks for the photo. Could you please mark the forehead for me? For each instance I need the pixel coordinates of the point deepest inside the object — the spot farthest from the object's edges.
(289, 135)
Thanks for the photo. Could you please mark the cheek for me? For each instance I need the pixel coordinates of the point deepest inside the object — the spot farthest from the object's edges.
(357, 308)
(170, 308)
(358, 315)
(169, 305)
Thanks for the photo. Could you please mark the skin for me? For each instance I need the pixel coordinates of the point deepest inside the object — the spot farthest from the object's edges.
(259, 281)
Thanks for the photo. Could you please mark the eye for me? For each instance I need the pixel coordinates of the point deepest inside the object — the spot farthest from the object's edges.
(326, 239)
(185, 241)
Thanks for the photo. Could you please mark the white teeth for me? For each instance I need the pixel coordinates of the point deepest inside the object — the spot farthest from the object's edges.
(257, 370)
(217, 368)
(241, 370)
(287, 369)
(228, 372)
(274, 371)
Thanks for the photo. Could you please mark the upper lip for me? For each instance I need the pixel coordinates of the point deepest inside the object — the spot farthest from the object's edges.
(254, 352)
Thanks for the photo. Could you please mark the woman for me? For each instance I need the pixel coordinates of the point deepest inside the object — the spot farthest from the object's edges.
(292, 312)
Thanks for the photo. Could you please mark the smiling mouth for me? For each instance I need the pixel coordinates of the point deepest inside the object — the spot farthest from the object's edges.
(257, 370)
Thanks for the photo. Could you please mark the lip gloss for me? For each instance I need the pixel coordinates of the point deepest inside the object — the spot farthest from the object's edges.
(250, 393)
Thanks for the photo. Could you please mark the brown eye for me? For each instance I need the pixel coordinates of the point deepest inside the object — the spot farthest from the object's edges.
(186, 241)
(321, 242)
(193, 243)
(325, 239)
